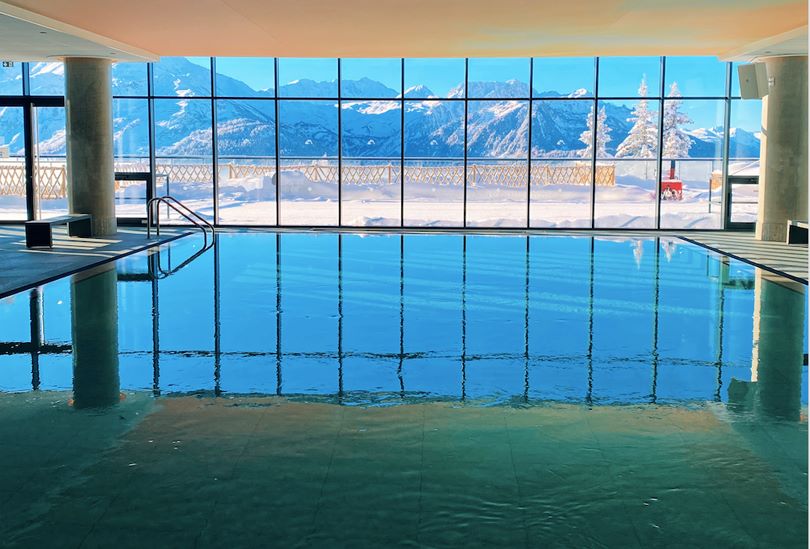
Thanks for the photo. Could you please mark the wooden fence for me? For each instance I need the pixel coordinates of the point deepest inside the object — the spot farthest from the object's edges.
(52, 177)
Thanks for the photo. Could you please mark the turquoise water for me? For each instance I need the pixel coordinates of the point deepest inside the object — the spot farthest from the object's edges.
(423, 390)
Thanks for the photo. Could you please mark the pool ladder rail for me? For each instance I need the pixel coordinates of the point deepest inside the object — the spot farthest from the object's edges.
(153, 216)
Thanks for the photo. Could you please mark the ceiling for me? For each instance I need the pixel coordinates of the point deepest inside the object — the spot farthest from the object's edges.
(145, 29)
(30, 37)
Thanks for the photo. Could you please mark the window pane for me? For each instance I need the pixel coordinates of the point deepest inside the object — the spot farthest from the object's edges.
(12, 164)
(562, 129)
(131, 145)
(496, 186)
(183, 151)
(746, 129)
(563, 76)
(371, 163)
(693, 128)
(623, 76)
(633, 129)
(691, 190)
(743, 163)
(696, 76)
(308, 153)
(307, 78)
(129, 79)
(245, 76)
(625, 190)
(182, 76)
(626, 197)
(561, 190)
(246, 148)
(50, 181)
(11, 80)
(434, 163)
(434, 78)
(370, 78)
(498, 78)
(47, 78)
(691, 194)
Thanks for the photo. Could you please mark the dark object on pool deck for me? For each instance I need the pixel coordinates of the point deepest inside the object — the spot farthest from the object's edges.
(39, 233)
(797, 232)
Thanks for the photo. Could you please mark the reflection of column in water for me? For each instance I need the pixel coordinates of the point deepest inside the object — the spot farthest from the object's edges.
(94, 316)
(778, 353)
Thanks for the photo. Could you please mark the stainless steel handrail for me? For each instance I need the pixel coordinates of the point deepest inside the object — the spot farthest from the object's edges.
(153, 215)
(156, 270)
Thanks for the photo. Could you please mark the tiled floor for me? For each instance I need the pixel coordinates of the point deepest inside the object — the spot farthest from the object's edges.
(248, 472)
(23, 267)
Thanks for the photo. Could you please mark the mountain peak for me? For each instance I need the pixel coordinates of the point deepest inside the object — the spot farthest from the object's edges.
(420, 91)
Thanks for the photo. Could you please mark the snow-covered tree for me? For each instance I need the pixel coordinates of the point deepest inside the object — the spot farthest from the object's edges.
(642, 140)
(676, 141)
(602, 136)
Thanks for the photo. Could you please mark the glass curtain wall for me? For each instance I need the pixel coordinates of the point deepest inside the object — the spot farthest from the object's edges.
(609, 142)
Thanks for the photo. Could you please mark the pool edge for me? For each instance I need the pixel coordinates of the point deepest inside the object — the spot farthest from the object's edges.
(41, 281)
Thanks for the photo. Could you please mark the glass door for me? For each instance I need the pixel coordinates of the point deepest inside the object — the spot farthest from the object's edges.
(742, 201)
(50, 162)
(12, 164)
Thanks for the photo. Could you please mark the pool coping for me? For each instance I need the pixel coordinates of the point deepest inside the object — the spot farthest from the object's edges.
(45, 280)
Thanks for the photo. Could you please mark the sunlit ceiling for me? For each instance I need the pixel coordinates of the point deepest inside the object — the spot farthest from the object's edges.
(417, 28)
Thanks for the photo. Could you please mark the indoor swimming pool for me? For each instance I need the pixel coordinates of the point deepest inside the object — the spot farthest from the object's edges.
(426, 390)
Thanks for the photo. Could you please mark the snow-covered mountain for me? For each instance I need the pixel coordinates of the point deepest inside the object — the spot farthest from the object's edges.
(497, 129)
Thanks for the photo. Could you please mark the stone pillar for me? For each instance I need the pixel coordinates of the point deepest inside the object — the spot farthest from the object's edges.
(783, 157)
(94, 317)
(88, 102)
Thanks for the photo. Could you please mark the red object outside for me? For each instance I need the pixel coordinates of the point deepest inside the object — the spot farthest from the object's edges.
(672, 189)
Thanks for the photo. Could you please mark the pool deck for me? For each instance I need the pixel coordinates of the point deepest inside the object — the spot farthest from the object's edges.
(777, 257)
(785, 259)
(21, 268)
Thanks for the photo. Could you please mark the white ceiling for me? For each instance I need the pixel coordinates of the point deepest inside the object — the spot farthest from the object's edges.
(30, 37)
(145, 29)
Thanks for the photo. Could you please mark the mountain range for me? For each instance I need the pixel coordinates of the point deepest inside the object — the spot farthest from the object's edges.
(246, 127)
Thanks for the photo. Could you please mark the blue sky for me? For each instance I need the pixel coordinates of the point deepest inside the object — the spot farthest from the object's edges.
(619, 76)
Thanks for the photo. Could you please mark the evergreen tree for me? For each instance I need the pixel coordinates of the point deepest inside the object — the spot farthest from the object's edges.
(602, 136)
(642, 140)
(676, 141)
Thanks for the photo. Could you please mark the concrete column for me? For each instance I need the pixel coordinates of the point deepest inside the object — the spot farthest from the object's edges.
(783, 157)
(88, 102)
(94, 316)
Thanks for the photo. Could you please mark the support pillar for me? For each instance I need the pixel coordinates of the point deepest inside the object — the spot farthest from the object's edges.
(783, 157)
(91, 177)
(94, 316)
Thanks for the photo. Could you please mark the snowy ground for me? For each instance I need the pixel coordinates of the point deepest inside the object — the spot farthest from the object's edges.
(251, 201)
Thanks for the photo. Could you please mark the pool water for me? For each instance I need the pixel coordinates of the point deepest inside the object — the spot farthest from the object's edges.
(442, 390)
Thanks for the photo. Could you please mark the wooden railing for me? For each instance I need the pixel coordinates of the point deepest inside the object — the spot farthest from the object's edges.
(503, 175)
(52, 177)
